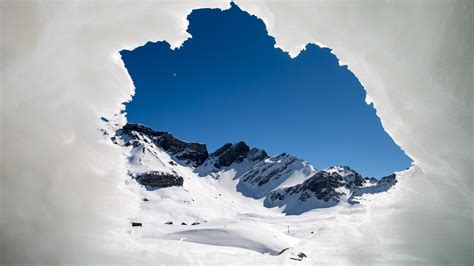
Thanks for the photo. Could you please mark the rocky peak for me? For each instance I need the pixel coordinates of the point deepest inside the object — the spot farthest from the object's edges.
(283, 180)
(271, 169)
(323, 185)
(387, 182)
(140, 129)
(377, 186)
(256, 155)
(327, 188)
(187, 153)
(273, 172)
(351, 177)
(236, 153)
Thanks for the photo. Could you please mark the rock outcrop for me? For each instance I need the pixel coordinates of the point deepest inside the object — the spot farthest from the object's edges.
(158, 160)
(327, 188)
(193, 154)
(157, 179)
(236, 153)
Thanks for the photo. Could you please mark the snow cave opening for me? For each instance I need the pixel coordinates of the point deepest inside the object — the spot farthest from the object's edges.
(228, 83)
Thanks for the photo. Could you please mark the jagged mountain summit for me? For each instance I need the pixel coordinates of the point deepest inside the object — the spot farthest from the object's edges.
(158, 160)
(192, 154)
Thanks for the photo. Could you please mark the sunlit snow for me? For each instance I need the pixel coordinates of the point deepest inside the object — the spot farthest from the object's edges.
(64, 196)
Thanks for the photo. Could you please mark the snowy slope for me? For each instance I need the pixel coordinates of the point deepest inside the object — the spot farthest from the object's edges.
(236, 158)
(235, 199)
(272, 173)
(283, 180)
(257, 173)
(326, 188)
(184, 153)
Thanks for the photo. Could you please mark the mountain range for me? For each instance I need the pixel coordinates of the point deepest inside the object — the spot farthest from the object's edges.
(157, 160)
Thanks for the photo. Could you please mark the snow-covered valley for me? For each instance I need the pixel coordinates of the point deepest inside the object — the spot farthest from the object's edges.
(237, 199)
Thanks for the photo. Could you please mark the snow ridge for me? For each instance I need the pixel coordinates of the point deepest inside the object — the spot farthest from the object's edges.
(158, 160)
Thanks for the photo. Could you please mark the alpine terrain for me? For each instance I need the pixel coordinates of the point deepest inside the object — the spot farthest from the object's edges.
(238, 198)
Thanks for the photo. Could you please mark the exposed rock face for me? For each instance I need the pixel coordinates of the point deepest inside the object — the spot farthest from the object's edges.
(156, 179)
(191, 152)
(272, 169)
(322, 185)
(256, 155)
(382, 185)
(388, 181)
(327, 188)
(188, 153)
(158, 160)
(273, 172)
(351, 177)
(238, 156)
(236, 153)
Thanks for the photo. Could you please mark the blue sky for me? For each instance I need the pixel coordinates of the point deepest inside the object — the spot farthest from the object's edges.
(228, 83)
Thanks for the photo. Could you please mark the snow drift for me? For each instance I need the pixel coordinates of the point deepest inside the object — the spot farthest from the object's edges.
(63, 197)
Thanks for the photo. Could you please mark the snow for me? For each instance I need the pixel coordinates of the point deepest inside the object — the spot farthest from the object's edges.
(291, 171)
(225, 217)
(63, 196)
(240, 236)
(229, 207)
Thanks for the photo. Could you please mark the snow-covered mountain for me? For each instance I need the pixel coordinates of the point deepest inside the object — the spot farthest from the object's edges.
(326, 188)
(237, 199)
(158, 160)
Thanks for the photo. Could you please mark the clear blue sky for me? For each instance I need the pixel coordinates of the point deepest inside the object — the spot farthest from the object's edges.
(228, 83)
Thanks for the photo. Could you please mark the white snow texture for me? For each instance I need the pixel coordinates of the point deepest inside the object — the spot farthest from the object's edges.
(63, 193)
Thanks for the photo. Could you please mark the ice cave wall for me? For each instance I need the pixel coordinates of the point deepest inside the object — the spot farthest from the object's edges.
(415, 62)
(62, 193)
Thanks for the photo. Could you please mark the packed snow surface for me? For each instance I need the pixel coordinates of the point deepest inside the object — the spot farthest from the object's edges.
(238, 197)
(63, 197)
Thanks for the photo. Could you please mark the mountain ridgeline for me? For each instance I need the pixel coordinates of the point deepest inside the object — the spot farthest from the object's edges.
(158, 160)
